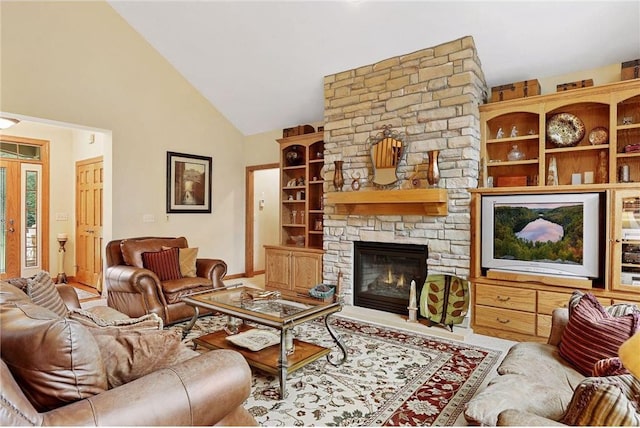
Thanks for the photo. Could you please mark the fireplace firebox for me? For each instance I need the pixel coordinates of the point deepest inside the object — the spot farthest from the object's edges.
(383, 273)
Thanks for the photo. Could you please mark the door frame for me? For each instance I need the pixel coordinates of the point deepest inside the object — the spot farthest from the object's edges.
(45, 219)
(249, 217)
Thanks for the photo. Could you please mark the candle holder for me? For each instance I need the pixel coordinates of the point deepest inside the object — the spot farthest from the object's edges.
(62, 276)
(413, 303)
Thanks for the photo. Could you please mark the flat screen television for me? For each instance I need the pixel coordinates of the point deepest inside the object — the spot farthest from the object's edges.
(548, 234)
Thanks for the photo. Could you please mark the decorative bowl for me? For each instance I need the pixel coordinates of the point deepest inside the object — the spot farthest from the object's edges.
(565, 130)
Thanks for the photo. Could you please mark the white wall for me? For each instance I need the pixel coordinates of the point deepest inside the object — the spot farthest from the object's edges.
(80, 63)
(266, 225)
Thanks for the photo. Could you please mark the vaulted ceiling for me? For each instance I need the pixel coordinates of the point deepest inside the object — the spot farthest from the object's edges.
(262, 63)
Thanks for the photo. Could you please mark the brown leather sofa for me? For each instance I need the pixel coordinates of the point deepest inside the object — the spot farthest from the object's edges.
(208, 389)
(137, 291)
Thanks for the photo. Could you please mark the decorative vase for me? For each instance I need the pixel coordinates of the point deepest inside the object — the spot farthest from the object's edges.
(338, 178)
(433, 171)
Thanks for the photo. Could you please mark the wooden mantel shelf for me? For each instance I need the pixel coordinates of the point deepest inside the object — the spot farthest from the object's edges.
(432, 202)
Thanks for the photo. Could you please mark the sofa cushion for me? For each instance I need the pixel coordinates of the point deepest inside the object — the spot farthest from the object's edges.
(132, 249)
(55, 360)
(43, 292)
(605, 401)
(175, 290)
(534, 378)
(164, 263)
(593, 334)
(187, 257)
(130, 354)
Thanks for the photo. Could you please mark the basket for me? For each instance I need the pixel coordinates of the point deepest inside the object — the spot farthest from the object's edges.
(319, 293)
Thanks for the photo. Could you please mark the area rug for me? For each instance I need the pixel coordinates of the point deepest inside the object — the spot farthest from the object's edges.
(391, 377)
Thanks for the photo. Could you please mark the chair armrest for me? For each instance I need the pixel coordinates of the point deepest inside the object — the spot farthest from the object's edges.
(134, 291)
(214, 269)
(69, 296)
(199, 391)
(515, 418)
(559, 320)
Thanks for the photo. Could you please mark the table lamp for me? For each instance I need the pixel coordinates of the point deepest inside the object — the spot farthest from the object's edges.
(629, 354)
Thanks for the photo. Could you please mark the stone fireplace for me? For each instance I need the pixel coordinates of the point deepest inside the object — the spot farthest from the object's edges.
(432, 96)
(383, 273)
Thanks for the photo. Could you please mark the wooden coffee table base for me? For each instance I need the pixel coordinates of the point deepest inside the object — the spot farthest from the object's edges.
(267, 359)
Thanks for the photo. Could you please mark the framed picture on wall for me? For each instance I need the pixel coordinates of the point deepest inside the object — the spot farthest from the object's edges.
(188, 183)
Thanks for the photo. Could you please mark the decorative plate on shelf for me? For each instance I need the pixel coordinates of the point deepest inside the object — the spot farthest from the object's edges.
(599, 135)
(254, 339)
(565, 130)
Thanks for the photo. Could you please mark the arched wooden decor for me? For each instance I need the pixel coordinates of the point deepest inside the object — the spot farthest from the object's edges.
(387, 148)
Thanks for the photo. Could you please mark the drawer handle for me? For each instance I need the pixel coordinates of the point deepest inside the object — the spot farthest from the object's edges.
(502, 321)
(503, 299)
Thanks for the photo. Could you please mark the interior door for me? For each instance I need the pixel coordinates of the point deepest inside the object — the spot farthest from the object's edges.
(10, 219)
(89, 183)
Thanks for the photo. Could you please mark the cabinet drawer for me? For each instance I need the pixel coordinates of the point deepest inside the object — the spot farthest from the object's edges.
(506, 319)
(506, 297)
(544, 325)
(549, 300)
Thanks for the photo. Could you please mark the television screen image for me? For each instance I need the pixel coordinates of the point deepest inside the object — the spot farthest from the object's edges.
(548, 234)
(542, 232)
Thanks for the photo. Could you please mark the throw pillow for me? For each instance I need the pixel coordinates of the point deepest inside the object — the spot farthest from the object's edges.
(43, 292)
(616, 310)
(130, 354)
(164, 263)
(132, 249)
(56, 361)
(89, 319)
(605, 401)
(609, 367)
(187, 257)
(593, 334)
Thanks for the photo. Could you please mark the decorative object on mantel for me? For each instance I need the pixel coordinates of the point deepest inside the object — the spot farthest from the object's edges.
(387, 148)
(338, 178)
(355, 182)
(565, 130)
(433, 170)
(574, 85)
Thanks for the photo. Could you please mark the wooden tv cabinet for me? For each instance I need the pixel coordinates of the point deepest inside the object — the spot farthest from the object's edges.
(518, 306)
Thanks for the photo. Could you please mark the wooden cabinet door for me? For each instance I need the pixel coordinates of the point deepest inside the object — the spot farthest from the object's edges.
(277, 270)
(306, 271)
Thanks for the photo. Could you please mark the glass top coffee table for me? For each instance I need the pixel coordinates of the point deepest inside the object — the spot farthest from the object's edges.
(269, 309)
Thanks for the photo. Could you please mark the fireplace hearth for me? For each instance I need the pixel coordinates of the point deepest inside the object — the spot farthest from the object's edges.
(383, 273)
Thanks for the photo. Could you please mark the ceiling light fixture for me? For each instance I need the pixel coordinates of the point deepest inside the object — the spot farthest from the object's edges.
(7, 122)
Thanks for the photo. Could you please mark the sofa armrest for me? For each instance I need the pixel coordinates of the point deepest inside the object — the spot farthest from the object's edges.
(134, 291)
(199, 391)
(69, 296)
(213, 269)
(519, 418)
(559, 320)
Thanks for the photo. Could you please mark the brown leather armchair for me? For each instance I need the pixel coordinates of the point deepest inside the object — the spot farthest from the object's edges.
(137, 291)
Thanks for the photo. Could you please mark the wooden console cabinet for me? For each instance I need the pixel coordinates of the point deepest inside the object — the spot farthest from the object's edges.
(518, 306)
(295, 265)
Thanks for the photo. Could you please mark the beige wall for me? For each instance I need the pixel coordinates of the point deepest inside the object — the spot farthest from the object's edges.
(80, 63)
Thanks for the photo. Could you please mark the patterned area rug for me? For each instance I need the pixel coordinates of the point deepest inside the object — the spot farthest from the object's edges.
(391, 377)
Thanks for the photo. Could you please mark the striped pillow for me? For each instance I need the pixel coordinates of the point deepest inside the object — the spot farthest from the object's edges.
(593, 334)
(43, 292)
(164, 263)
(604, 401)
